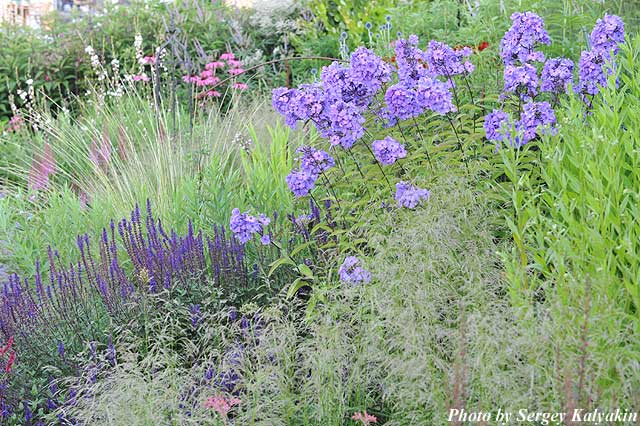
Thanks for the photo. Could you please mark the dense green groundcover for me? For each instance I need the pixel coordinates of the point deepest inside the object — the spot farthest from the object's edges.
(513, 286)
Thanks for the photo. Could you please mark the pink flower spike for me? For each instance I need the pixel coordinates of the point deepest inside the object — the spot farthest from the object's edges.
(149, 60)
(48, 164)
(240, 86)
(364, 417)
(221, 404)
(142, 77)
(236, 71)
(227, 56)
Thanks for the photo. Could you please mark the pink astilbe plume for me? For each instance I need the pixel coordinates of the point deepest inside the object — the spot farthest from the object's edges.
(100, 156)
(364, 417)
(42, 166)
(221, 405)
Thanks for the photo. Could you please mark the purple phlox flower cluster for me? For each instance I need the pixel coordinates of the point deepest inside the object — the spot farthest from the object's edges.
(593, 73)
(364, 77)
(314, 161)
(520, 41)
(405, 102)
(442, 60)
(411, 60)
(401, 103)
(301, 182)
(335, 106)
(537, 118)
(346, 124)
(352, 272)
(521, 80)
(388, 150)
(607, 34)
(410, 196)
(244, 226)
(498, 126)
(434, 95)
(596, 64)
(557, 74)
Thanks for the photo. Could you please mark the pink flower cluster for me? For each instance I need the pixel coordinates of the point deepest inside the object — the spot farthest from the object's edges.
(221, 404)
(15, 123)
(208, 78)
(364, 417)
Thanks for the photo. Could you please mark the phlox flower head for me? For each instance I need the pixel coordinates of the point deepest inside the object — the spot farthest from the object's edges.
(314, 161)
(306, 103)
(537, 118)
(401, 103)
(244, 226)
(557, 74)
(434, 95)
(346, 124)
(607, 35)
(366, 74)
(410, 196)
(442, 60)
(301, 182)
(283, 100)
(498, 126)
(521, 80)
(388, 150)
(411, 60)
(364, 417)
(592, 74)
(352, 272)
(221, 404)
(520, 41)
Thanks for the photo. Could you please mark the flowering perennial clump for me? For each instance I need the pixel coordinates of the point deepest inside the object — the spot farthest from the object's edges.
(336, 105)
(593, 73)
(301, 182)
(244, 226)
(557, 75)
(352, 272)
(314, 161)
(519, 44)
(518, 49)
(410, 196)
(442, 60)
(210, 75)
(607, 35)
(597, 64)
(388, 150)
(521, 80)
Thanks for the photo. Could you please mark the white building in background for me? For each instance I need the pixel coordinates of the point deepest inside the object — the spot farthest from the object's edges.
(25, 12)
(30, 12)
